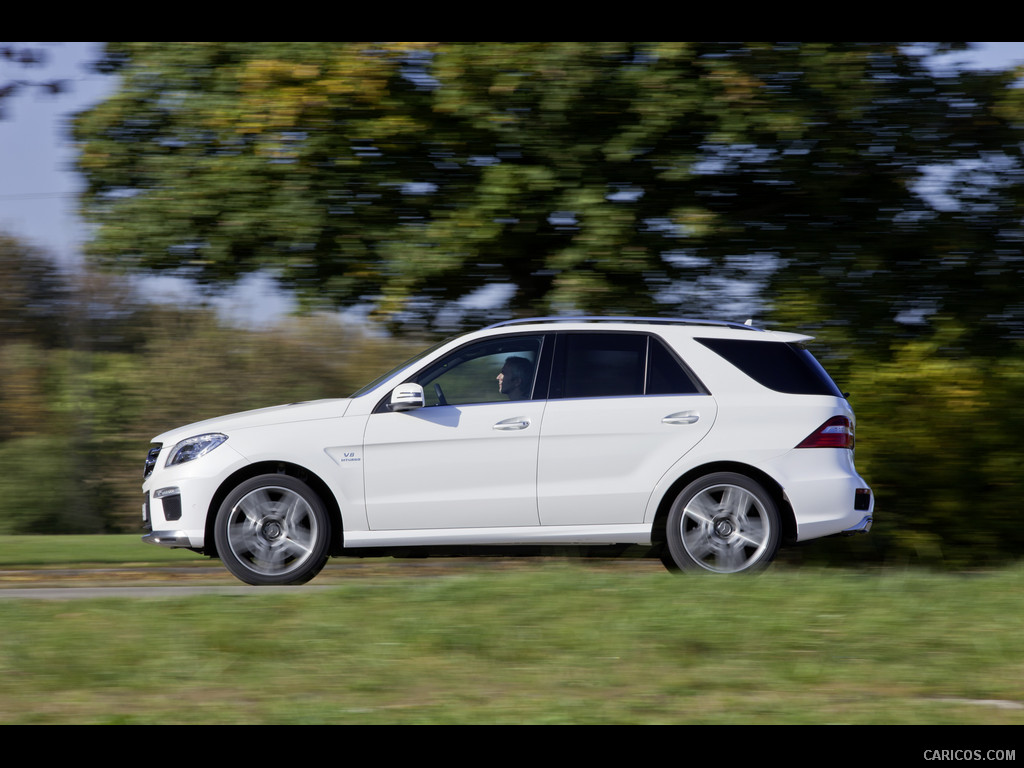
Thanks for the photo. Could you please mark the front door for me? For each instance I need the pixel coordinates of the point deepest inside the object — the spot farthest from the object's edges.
(468, 458)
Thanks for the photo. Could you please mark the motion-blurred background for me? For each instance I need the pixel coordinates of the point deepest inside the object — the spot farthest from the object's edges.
(270, 222)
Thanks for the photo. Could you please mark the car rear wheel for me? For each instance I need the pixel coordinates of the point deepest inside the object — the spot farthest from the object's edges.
(273, 529)
(725, 523)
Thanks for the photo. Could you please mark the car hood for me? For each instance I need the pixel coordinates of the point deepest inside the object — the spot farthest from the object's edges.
(262, 417)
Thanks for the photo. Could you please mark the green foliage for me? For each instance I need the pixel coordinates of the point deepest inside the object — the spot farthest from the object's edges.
(79, 407)
(840, 189)
(939, 436)
(33, 296)
(938, 422)
(37, 487)
(24, 407)
(595, 177)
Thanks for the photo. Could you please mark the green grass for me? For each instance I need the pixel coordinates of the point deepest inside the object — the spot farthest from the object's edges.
(85, 551)
(551, 642)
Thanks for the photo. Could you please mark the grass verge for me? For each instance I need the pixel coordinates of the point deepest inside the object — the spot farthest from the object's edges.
(85, 551)
(562, 642)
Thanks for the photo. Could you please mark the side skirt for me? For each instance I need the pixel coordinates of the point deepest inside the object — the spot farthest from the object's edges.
(540, 535)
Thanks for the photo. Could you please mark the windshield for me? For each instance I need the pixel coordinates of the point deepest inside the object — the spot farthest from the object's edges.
(412, 360)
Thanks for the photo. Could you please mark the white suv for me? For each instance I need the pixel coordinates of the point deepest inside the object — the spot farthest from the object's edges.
(709, 444)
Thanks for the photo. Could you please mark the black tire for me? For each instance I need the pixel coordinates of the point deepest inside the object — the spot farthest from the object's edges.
(273, 530)
(724, 523)
(666, 559)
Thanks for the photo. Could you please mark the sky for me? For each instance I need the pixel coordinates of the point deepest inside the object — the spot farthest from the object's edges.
(38, 183)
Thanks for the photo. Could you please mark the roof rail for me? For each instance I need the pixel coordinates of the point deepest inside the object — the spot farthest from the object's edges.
(613, 319)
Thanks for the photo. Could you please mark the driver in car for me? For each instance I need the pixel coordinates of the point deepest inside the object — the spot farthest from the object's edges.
(515, 378)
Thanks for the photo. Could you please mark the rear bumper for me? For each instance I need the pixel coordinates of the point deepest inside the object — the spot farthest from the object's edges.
(825, 492)
(862, 527)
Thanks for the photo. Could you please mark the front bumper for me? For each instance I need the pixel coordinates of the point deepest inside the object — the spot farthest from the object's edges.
(178, 498)
(170, 539)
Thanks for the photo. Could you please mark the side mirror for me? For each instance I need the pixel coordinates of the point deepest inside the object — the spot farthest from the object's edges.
(406, 397)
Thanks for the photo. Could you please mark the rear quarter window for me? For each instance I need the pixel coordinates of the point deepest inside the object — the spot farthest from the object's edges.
(777, 365)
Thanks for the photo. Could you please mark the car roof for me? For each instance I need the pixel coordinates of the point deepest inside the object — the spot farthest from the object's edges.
(614, 319)
(707, 325)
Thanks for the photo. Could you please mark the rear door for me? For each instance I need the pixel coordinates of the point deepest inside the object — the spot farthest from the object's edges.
(623, 408)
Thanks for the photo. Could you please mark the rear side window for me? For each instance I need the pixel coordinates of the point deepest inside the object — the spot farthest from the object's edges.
(603, 365)
(615, 365)
(776, 365)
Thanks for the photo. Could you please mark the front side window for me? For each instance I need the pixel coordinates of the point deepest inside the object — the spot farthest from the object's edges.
(491, 371)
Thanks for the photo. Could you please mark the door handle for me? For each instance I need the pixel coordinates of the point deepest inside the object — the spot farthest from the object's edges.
(510, 425)
(683, 417)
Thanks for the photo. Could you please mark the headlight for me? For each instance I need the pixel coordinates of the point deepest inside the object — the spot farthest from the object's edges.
(194, 447)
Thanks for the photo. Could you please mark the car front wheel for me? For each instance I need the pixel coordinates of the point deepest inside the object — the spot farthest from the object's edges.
(273, 529)
(725, 523)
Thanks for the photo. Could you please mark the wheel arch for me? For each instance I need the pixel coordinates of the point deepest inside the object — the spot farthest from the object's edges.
(786, 514)
(318, 486)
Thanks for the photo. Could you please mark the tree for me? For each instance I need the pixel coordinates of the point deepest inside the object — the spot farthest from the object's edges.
(455, 181)
(35, 297)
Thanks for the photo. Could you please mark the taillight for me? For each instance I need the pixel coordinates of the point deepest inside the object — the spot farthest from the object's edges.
(837, 432)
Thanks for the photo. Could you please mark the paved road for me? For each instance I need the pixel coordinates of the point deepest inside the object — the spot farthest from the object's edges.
(149, 593)
(211, 578)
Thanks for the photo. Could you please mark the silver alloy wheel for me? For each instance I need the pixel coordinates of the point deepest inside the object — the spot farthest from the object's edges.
(272, 531)
(725, 528)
